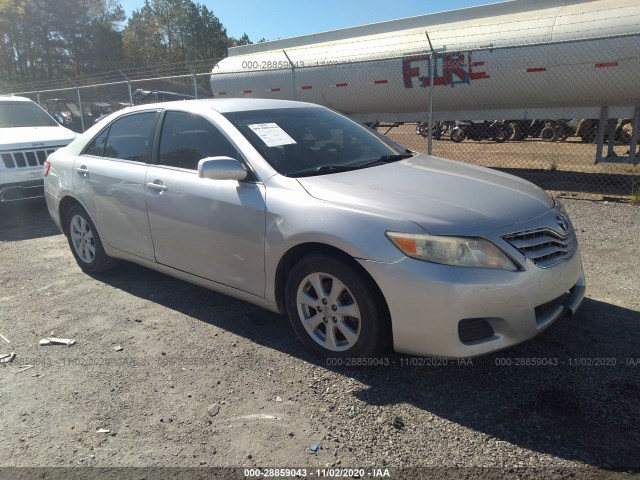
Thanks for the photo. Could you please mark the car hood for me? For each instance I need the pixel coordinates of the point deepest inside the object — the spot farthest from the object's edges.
(16, 138)
(442, 196)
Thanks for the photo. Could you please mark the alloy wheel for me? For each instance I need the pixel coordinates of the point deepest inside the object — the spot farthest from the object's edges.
(328, 312)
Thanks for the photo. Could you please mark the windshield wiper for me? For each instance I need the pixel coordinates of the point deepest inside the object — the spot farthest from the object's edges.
(386, 159)
(326, 169)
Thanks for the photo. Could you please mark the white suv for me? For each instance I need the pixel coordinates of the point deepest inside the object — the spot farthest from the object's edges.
(28, 135)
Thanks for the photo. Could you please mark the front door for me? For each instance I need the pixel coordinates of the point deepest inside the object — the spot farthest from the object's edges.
(210, 228)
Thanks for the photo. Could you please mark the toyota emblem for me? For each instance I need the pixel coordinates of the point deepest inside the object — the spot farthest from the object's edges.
(563, 223)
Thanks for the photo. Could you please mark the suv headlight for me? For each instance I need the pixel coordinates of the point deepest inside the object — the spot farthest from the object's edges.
(457, 251)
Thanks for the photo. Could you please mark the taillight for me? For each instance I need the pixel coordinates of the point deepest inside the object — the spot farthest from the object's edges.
(47, 167)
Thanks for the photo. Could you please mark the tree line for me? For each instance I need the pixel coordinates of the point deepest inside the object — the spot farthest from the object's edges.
(50, 39)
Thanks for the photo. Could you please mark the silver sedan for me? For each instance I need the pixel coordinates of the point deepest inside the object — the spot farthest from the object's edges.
(364, 244)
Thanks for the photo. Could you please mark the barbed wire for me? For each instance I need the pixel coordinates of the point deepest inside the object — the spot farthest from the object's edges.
(114, 76)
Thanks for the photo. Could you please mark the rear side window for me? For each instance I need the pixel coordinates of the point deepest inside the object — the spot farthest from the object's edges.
(131, 137)
(188, 138)
(96, 147)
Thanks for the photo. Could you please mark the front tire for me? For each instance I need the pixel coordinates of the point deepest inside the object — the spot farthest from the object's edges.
(334, 309)
(85, 242)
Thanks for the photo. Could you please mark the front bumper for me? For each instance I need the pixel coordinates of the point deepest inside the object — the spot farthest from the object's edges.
(433, 306)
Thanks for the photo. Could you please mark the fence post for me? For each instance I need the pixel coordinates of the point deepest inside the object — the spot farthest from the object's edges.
(432, 74)
(195, 85)
(81, 110)
(79, 103)
(602, 125)
(635, 123)
(611, 130)
(129, 86)
(293, 75)
(37, 93)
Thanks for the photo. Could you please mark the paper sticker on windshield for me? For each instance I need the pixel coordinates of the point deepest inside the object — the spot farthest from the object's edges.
(271, 134)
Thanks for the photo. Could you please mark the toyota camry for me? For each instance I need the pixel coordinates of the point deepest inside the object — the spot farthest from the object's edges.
(362, 243)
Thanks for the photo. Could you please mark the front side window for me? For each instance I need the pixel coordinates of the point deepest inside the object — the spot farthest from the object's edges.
(131, 137)
(313, 141)
(188, 138)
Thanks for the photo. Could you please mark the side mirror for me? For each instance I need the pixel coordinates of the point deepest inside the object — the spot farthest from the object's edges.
(221, 168)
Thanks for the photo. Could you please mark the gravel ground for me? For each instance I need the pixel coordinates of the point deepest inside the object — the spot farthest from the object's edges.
(184, 349)
(555, 166)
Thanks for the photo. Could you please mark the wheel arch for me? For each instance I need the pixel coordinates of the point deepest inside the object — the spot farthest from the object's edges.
(65, 204)
(296, 253)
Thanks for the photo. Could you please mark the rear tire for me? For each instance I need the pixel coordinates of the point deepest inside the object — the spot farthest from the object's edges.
(85, 242)
(334, 309)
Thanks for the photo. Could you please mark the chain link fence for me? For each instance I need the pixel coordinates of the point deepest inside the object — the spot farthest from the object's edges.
(517, 109)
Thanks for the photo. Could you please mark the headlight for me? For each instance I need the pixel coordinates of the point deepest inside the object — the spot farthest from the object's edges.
(457, 251)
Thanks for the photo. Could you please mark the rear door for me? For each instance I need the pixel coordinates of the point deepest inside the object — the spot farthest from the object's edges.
(109, 178)
(210, 228)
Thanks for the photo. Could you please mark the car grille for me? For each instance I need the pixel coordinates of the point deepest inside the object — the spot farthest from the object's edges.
(544, 247)
(26, 158)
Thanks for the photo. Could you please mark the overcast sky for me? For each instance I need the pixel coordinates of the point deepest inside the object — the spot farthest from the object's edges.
(273, 19)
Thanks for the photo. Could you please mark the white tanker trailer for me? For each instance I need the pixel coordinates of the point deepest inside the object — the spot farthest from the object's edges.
(517, 60)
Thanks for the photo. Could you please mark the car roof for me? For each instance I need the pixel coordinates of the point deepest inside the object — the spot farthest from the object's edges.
(12, 98)
(225, 105)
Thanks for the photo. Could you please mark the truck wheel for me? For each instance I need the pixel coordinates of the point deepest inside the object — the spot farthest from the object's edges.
(624, 132)
(458, 135)
(502, 133)
(85, 242)
(334, 310)
(589, 135)
(518, 133)
(549, 134)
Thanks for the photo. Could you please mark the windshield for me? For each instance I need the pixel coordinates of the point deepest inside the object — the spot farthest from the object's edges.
(24, 114)
(313, 141)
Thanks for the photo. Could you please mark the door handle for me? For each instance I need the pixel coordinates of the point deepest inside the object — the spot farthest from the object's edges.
(160, 187)
(83, 170)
